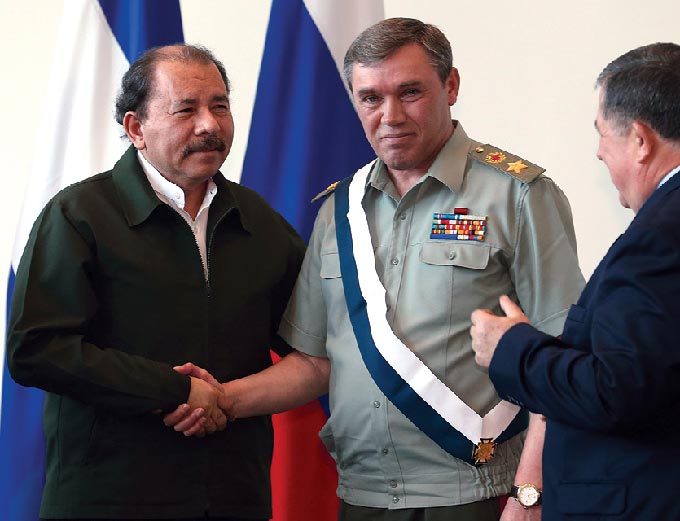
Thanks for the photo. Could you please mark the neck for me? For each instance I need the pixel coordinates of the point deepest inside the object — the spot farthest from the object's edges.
(193, 198)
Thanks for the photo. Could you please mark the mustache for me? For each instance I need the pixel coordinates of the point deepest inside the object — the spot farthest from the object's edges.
(206, 144)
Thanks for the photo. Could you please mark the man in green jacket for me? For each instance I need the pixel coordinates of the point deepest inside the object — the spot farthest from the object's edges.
(135, 271)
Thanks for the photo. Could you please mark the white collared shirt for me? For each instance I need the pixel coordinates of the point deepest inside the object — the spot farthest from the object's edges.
(668, 176)
(173, 196)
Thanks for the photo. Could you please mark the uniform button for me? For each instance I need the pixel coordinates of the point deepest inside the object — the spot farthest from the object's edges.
(393, 484)
(376, 404)
(402, 216)
(395, 261)
(385, 450)
(395, 499)
(452, 255)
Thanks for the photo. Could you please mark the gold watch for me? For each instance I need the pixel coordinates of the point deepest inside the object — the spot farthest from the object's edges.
(527, 495)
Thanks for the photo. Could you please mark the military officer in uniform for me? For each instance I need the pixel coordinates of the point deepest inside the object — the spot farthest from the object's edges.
(401, 253)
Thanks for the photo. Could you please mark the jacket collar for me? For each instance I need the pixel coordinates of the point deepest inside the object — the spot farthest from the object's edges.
(139, 200)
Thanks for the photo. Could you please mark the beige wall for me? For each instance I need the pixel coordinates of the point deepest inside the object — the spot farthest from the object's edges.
(527, 68)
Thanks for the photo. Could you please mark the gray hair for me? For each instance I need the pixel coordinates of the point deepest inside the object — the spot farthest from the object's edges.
(644, 85)
(380, 40)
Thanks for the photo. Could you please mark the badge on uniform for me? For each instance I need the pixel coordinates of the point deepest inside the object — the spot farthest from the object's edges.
(484, 450)
(458, 226)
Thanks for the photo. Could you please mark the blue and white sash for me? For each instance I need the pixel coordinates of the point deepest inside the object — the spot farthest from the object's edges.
(408, 383)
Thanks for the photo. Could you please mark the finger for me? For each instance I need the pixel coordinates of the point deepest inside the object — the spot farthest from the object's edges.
(220, 420)
(510, 308)
(210, 426)
(185, 424)
(175, 416)
(206, 376)
(197, 429)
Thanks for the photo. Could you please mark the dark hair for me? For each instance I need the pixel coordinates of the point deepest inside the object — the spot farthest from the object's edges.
(137, 82)
(644, 85)
(380, 40)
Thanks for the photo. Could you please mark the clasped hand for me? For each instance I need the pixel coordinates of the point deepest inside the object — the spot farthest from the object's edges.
(206, 409)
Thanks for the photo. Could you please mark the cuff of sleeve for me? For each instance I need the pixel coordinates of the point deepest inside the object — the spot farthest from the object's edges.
(504, 369)
(300, 340)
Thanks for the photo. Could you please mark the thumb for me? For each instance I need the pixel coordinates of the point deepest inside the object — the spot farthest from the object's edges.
(510, 309)
(188, 369)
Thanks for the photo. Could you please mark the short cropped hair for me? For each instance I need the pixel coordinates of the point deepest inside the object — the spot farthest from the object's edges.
(644, 85)
(382, 39)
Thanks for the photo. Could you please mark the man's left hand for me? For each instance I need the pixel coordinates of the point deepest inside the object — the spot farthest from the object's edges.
(487, 328)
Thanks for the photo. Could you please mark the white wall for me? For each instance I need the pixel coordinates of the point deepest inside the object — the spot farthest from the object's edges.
(528, 68)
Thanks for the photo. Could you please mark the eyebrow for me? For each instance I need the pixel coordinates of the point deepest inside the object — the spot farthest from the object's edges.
(371, 90)
(193, 101)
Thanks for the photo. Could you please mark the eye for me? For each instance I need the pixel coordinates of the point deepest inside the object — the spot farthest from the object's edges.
(222, 108)
(410, 93)
(371, 99)
(183, 112)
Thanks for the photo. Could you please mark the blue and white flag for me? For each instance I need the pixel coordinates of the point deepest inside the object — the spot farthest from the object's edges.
(304, 135)
(78, 137)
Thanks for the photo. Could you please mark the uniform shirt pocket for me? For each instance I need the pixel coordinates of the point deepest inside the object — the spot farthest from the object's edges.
(447, 254)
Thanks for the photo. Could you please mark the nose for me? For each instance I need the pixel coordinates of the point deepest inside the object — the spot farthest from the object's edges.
(393, 112)
(207, 122)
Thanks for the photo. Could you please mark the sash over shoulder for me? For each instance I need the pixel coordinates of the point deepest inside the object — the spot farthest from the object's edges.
(408, 383)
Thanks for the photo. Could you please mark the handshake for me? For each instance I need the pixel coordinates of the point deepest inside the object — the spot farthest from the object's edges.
(208, 407)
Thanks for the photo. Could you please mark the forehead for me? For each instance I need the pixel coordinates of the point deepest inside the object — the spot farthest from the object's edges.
(408, 64)
(175, 79)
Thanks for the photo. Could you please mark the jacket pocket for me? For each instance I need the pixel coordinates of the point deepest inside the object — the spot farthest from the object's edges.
(593, 498)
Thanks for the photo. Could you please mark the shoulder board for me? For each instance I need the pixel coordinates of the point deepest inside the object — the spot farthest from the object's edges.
(329, 190)
(506, 162)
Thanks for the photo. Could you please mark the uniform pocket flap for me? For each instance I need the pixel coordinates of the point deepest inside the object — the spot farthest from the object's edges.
(607, 498)
(472, 256)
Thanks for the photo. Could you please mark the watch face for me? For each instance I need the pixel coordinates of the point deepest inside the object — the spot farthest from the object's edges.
(527, 496)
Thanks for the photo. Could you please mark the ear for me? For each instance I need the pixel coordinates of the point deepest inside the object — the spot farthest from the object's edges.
(452, 86)
(644, 139)
(133, 128)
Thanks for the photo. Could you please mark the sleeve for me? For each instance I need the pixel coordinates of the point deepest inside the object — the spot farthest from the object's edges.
(626, 375)
(545, 270)
(304, 323)
(53, 306)
(294, 255)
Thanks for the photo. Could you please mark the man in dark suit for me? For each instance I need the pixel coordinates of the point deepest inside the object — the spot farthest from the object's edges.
(610, 385)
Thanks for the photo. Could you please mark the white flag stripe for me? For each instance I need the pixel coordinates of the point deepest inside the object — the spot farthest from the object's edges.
(339, 31)
(78, 135)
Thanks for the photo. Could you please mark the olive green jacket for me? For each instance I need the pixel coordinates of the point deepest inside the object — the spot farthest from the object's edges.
(110, 294)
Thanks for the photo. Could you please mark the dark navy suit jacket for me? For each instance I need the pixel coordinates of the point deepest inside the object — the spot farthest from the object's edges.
(610, 387)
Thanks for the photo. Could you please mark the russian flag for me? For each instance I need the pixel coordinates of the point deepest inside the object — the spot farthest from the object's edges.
(304, 135)
(78, 137)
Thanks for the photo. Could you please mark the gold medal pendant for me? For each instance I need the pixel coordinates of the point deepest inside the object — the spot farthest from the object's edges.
(484, 451)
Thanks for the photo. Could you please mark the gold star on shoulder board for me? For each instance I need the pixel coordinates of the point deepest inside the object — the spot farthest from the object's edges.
(516, 167)
(505, 162)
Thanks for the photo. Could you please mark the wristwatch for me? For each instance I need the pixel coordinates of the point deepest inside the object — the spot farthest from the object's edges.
(527, 495)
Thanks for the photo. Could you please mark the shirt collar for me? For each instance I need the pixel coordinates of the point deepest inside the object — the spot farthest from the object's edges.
(669, 175)
(170, 191)
(448, 166)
